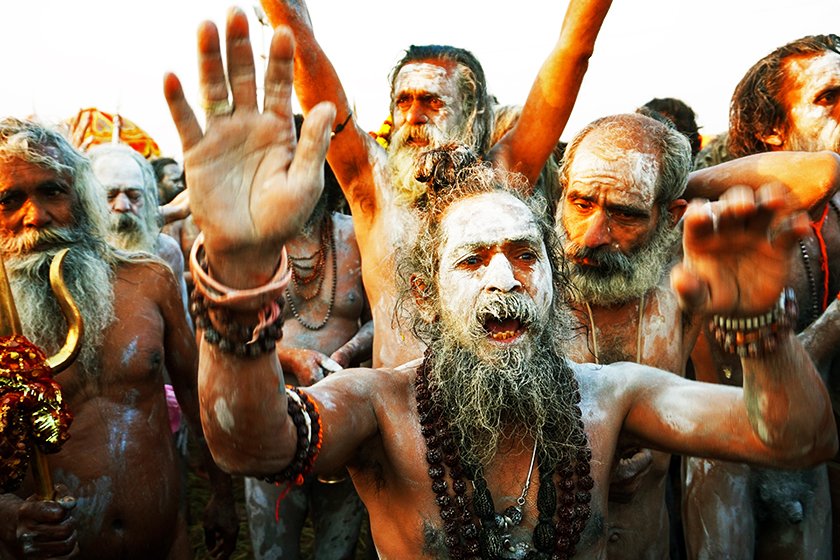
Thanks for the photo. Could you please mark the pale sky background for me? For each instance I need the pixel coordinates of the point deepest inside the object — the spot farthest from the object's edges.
(59, 56)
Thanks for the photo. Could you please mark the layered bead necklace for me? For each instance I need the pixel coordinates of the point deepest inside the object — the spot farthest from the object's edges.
(326, 248)
(563, 496)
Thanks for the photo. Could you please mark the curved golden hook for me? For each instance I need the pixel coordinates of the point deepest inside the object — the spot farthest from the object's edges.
(75, 326)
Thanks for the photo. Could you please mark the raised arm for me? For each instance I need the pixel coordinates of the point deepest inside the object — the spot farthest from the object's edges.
(526, 147)
(811, 177)
(735, 265)
(352, 150)
(252, 188)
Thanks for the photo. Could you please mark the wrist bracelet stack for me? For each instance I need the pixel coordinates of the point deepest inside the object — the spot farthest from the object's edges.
(755, 337)
(212, 304)
(304, 413)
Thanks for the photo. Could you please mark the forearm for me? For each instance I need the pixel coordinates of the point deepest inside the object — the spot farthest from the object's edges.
(315, 77)
(553, 94)
(243, 412)
(787, 404)
(811, 177)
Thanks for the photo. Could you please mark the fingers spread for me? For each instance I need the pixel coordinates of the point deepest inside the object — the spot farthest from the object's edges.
(182, 115)
(240, 59)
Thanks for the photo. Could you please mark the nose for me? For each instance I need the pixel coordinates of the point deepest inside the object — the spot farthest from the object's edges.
(120, 203)
(416, 114)
(598, 231)
(499, 276)
(36, 216)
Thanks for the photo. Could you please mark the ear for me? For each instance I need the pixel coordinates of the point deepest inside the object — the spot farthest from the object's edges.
(774, 139)
(420, 291)
(677, 209)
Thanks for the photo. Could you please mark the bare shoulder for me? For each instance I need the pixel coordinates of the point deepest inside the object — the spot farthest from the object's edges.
(149, 274)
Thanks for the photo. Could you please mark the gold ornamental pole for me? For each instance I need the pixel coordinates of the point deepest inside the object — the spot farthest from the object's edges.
(10, 326)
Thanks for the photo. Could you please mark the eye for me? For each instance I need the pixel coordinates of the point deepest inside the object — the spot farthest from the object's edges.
(829, 97)
(582, 204)
(403, 102)
(470, 261)
(53, 189)
(11, 201)
(436, 103)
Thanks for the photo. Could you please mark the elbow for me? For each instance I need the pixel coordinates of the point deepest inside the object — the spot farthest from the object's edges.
(822, 447)
(238, 461)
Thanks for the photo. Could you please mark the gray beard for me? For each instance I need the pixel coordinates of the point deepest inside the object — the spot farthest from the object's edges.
(130, 233)
(527, 389)
(402, 158)
(619, 277)
(89, 279)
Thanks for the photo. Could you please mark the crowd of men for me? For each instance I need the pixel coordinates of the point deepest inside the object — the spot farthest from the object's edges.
(510, 348)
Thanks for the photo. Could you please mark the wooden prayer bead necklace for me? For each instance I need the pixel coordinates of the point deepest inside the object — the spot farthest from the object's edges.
(488, 539)
(327, 248)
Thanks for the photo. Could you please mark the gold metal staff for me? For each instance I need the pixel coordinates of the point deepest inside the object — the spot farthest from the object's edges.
(10, 325)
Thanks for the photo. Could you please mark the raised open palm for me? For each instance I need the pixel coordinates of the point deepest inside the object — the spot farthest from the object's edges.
(252, 185)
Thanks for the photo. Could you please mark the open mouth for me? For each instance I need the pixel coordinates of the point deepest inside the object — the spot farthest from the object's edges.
(503, 330)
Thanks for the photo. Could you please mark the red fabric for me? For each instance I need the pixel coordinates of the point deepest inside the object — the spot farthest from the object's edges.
(817, 227)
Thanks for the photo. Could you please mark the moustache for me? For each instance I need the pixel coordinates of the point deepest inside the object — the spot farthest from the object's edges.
(40, 240)
(602, 260)
(427, 135)
(498, 307)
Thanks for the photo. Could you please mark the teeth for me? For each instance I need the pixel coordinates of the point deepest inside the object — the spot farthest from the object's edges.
(503, 335)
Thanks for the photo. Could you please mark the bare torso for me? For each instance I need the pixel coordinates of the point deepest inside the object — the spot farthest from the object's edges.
(120, 461)
(637, 523)
(391, 475)
(382, 228)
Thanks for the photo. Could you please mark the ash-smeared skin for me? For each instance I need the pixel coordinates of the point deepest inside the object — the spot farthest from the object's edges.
(814, 103)
(498, 264)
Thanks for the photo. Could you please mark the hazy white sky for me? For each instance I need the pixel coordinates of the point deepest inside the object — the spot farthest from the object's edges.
(59, 56)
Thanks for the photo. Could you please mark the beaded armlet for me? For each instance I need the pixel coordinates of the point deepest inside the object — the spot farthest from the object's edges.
(304, 413)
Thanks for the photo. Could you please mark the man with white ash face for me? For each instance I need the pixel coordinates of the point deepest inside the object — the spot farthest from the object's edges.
(495, 445)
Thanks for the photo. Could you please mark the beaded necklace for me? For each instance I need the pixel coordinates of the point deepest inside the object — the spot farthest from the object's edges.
(564, 492)
(327, 242)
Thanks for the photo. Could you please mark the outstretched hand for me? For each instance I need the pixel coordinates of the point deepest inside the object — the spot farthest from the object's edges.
(252, 186)
(736, 252)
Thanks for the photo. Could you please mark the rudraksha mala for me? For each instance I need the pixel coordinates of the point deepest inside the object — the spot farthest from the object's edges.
(470, 540)
(304, 413)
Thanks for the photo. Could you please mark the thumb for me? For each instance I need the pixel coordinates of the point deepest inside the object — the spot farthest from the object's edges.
(692, 293)
(308, 164)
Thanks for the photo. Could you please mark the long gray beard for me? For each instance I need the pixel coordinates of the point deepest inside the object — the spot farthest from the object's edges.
(620, 277)
(131, 233)
(88, 277)
(527, 389)
(402, 158)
